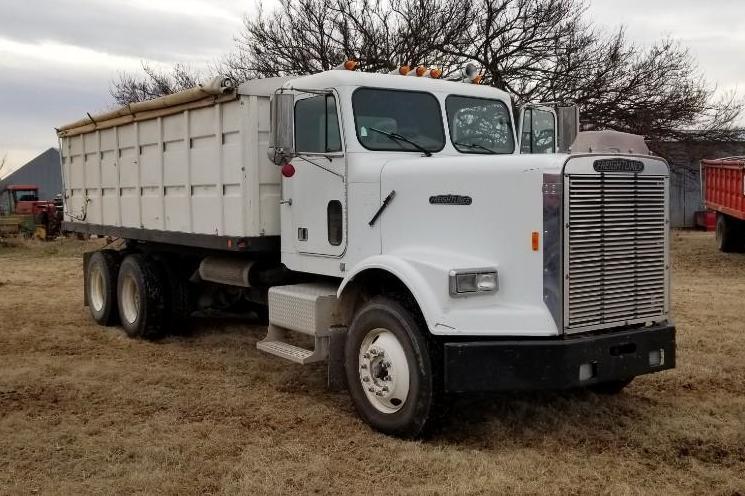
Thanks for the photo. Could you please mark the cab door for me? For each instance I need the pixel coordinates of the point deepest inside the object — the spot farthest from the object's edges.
(319, 183)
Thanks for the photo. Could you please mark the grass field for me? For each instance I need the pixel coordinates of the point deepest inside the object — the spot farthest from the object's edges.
(84, 409)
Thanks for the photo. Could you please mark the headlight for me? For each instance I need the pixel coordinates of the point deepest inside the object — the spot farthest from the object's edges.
(472, 281)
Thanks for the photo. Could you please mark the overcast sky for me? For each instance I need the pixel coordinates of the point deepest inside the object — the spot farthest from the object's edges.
(58, 57)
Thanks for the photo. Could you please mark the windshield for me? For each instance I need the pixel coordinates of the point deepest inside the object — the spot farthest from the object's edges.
(396, 120)
(479, 125)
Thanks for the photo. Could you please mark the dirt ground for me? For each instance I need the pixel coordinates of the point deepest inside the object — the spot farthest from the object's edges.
(84, 409)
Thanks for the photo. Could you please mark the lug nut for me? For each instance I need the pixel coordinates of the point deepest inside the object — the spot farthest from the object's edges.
(378, 394)
(385, 388)
(371, 389)
(366, 356)
(365, 379)
(363, 366)
(386, 364)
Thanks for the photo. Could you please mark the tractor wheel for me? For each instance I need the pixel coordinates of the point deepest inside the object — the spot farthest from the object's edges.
(141, 296)
(101, 275)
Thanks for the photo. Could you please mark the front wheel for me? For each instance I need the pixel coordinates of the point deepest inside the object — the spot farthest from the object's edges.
(388, 368)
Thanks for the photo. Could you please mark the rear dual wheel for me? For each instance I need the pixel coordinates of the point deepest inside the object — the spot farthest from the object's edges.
(143, 294)
(101, 273)
(142, 305)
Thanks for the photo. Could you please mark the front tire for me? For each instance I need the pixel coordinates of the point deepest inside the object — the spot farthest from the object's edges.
(141, 298)
(388, 369)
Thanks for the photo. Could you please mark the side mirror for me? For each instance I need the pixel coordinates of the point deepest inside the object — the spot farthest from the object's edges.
(567, 127)
(548, 128)
(282, 128)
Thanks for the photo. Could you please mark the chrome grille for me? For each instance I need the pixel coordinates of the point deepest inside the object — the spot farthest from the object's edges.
(616, 246)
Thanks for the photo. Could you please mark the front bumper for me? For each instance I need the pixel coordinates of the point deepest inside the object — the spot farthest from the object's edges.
(557, 363)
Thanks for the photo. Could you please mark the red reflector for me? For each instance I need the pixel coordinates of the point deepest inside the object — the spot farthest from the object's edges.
(534, 239)
(288, 170)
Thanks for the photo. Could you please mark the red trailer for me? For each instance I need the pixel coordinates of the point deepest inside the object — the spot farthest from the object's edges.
(723, 184)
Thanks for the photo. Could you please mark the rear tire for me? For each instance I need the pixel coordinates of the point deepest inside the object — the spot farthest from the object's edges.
(178, 299)
(388, 369)
(729, 238)
(101, 274)
(141, 299)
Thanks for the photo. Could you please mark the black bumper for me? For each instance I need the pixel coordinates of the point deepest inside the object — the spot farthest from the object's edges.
(555, 363)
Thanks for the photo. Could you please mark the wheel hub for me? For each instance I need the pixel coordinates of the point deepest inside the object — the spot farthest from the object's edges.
(384, 371)
(96, 284)
(130, 298)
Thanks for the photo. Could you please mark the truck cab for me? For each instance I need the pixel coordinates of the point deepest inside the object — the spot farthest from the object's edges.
(529, 264)
(18, 199)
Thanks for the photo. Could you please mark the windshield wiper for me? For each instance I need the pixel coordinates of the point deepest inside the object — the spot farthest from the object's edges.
(397, 137)
(474, 145)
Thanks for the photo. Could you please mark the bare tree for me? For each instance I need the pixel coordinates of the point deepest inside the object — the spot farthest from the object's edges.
(129, 88)
(538, 50)
(3, 162)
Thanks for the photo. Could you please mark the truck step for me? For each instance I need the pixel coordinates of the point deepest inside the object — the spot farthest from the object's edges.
(274, 344)
(290, 352)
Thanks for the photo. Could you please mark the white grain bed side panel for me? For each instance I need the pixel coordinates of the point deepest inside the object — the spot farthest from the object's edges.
(127, 163)
(92, 174)
(230, 166)
(269, 175)
(176, 185)
(151, 174)
(204, 159)
(109, 178)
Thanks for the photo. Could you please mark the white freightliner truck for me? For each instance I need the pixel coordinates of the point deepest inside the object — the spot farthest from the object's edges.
(426, 240)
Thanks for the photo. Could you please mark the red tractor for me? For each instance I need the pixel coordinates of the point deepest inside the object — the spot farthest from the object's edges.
(21, 212)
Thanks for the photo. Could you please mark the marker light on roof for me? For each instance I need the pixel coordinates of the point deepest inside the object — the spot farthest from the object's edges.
(435, 73)
(418, 71)
(403, 70)
(347, 65)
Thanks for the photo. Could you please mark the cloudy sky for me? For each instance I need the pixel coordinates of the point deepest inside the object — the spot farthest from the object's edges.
(58, 57)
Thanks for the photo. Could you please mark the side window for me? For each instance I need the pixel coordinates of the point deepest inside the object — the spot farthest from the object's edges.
(335, 219)
(317, 125)
(538, 131)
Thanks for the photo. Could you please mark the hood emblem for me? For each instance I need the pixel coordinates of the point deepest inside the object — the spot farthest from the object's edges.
(450, 200)
(618, 165)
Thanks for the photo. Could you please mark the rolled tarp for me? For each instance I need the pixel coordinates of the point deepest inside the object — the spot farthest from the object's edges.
(216, 89)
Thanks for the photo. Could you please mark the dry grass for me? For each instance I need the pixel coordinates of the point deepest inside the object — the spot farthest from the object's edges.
(85, 410)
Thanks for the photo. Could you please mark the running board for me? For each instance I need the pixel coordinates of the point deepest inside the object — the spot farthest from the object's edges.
(274, 344)
(303, 308)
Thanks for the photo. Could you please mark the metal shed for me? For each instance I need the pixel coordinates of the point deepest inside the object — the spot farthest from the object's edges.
(43, 171)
